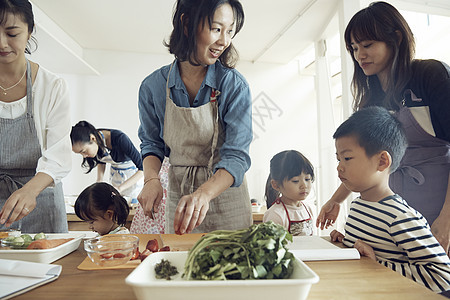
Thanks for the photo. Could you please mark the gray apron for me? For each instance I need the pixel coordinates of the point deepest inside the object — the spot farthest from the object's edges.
(19, 153)
(192, 134)
(422, 176)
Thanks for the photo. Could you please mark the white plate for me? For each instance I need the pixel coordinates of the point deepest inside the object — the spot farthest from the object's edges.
(146, 286)
(45, 255)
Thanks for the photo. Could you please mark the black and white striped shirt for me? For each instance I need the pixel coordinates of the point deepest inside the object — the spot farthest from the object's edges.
(401, 239)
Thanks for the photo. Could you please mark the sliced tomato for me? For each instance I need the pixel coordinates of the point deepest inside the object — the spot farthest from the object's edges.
(165, 248)
(136, 254)
(152, 245)
(119, 255)
(106, 255)
(144, 254)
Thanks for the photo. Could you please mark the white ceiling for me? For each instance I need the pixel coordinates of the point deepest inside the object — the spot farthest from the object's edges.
(274, 31)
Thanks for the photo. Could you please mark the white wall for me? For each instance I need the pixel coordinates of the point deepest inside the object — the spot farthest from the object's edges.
(284, 117)
(110, 100)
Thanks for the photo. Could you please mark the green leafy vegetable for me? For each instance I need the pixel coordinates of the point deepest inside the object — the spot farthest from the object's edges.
(258, 252)
(164, 270)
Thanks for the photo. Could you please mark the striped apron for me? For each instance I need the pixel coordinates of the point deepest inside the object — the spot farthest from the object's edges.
(18, 166)
(192, 134)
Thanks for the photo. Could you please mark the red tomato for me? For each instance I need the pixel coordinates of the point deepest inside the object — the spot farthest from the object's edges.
(165, 248)
(152, 245)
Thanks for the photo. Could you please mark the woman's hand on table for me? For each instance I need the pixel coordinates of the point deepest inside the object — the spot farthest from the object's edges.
(150, 197)
(191, 211)
(365, 250)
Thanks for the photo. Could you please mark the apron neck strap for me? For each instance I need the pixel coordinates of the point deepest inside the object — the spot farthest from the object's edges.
(29, 90)
(167, 81)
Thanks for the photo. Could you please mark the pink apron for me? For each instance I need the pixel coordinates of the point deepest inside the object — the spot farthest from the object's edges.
(299, 227)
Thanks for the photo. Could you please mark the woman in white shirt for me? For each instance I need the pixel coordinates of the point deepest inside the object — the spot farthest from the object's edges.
(35, 149)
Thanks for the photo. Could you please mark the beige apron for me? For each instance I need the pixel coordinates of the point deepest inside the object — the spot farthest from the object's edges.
(192, 134)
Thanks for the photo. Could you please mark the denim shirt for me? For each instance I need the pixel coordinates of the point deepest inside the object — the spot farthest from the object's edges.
(235, 113)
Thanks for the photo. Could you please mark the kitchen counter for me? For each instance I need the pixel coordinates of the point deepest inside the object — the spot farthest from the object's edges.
(76, 223)
(346, 279)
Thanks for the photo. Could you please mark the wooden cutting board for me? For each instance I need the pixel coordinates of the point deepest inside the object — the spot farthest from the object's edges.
(180, 242)
(174, 241)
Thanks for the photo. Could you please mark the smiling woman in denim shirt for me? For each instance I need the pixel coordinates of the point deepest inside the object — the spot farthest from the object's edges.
(197, 111)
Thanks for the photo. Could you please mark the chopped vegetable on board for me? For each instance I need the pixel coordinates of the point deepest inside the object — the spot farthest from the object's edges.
(258, 252)
(164, 270)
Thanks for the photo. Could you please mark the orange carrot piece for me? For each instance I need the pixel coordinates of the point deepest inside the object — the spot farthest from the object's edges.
(47, 244)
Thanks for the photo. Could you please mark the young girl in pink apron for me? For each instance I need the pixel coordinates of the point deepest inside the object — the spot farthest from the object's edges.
(291, 176)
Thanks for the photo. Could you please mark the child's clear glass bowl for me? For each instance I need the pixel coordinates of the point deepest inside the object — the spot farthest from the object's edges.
(111, 250)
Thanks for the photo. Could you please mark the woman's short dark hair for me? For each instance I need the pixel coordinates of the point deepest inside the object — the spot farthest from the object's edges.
(81, 133)
(22, 9)
(188, 15)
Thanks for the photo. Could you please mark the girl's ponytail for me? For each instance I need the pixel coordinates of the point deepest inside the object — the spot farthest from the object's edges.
(271, 194)
(120, 208)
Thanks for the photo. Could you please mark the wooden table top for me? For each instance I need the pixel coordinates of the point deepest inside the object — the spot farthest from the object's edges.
(346, 279)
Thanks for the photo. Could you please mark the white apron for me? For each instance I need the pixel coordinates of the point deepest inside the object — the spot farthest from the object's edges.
(192, 134)
(120, 172)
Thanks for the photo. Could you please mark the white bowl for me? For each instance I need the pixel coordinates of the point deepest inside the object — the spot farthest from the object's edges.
(146, 286)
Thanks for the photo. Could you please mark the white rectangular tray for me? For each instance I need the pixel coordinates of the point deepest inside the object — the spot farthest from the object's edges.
(146, 286)
(45, 255)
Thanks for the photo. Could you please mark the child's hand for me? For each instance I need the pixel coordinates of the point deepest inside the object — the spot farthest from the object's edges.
(365, 250)
(336, 236)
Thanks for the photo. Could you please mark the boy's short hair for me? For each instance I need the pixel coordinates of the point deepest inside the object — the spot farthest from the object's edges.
(376, 130)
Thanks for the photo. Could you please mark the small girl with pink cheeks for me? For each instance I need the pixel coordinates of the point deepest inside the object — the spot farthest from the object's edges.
(288, 185)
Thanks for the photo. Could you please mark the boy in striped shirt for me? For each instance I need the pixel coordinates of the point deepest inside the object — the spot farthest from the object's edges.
(381, 225)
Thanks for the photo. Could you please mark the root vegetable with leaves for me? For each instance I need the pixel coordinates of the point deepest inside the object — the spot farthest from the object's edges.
(258, 252)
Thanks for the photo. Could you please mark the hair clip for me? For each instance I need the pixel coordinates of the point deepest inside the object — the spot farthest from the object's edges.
(112, 194)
